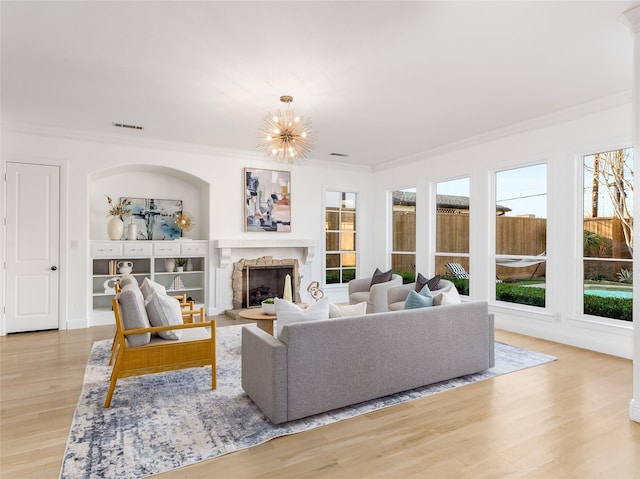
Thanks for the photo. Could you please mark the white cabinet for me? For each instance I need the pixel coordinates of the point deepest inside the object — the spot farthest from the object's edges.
(148, 259)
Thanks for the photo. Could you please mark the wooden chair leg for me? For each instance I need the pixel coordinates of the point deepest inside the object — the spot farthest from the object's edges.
(114, 379)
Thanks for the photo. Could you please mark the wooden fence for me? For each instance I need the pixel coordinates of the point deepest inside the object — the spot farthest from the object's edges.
(514, 235)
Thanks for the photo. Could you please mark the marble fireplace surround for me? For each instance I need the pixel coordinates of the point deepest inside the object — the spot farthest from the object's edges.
(238, 276)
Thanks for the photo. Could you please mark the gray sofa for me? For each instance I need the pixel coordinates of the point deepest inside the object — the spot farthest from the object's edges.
(316, 366)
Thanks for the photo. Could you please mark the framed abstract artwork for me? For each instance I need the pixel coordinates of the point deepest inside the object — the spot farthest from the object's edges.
(267, 202)
(154, 218)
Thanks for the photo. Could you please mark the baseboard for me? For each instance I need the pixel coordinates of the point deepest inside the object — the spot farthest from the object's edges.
(634, 410)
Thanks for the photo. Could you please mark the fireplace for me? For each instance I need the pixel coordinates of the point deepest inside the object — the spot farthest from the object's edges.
(254, 280)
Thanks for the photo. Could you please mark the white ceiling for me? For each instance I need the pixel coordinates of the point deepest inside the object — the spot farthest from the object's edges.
(379, 80)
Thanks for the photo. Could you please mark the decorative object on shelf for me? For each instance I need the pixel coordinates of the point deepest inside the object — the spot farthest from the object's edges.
(132, 231)
(287, 288)
(267, 200)
(115, 226)
(286, 136)
(125, 267)
(176, 284)
(189, 266)
(314, 290)
(169, 265)
(110, 285)
(113, 266)
(180, 263)
(185, 222)
(155, 218)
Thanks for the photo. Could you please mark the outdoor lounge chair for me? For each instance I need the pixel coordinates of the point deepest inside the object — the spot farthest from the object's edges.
(458, 271)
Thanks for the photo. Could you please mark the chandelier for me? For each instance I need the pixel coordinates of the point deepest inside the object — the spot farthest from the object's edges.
(286, 136)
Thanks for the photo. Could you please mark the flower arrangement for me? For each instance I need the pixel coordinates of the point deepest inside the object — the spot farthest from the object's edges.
(119, 209)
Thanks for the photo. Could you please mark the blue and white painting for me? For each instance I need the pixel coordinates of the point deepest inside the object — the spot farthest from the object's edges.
(155, 218)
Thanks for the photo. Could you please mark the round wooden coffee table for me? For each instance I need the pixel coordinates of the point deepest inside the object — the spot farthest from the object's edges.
(265, 321)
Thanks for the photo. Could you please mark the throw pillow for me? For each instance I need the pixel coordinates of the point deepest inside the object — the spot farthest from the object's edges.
(423, 299)
(288, 312)
(421, 282)
(128, 280)
(134, 315)
(433, 283)
(164, 310)
(449, 296)
(344, 310)
(148, 287)
(380, 277)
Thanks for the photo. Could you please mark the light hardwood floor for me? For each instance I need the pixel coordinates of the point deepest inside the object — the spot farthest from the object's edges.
(566, 419)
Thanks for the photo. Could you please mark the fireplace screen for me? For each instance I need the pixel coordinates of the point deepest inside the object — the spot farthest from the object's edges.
(262, 282)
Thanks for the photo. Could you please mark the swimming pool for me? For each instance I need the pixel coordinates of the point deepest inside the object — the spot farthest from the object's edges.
(608, 293)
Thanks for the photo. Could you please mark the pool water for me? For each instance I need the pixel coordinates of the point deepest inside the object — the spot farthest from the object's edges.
(609, 293)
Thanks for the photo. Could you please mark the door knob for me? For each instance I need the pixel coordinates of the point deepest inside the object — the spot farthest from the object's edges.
(53, 268)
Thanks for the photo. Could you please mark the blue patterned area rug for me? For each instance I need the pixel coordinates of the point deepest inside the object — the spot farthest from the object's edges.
(169, 420)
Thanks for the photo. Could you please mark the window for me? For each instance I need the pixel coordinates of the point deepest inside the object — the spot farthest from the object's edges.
(521, 235)
(403, 229)
(340, 237)
(452, 232)
(608, 234)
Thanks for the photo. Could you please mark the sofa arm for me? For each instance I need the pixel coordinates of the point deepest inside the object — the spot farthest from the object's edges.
(378, 295)
(264, 372)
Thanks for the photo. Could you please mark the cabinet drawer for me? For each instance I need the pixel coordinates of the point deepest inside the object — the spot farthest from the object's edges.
(166, 249)
(106, 250)
(137, 248)
(193, 249)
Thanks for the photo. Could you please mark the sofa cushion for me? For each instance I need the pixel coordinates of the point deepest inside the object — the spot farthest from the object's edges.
(134, 314)
(380, 277)
(344, 310)
(288, 312)
(423, 299)
(148, 287)
(164, 310)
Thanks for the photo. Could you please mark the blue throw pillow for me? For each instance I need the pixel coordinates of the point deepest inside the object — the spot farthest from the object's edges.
(423, 299)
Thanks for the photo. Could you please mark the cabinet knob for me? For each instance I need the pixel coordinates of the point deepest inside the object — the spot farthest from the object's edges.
(53, 268)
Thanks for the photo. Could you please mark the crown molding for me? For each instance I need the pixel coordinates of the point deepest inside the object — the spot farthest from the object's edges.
(568, 114)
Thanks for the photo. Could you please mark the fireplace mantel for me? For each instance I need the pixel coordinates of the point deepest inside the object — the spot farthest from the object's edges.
(225, 246)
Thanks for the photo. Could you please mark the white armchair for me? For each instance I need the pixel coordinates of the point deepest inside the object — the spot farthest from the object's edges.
(376, 296)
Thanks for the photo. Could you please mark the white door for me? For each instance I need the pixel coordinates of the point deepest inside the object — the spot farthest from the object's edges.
(33, 247)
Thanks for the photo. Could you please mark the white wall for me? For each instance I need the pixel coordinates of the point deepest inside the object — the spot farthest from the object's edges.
(210, 181)
(561, 146)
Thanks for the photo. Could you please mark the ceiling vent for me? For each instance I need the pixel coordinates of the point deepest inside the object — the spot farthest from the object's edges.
(338, 154)
(130, 127)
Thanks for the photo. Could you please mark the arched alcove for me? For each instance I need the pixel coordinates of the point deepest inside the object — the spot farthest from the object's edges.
(147, 181)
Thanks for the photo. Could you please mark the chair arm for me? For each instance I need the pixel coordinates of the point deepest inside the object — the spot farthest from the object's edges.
(395, 294)
(359, 285)
(378, 294)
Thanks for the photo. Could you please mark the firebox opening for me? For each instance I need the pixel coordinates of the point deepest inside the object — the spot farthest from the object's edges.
(262, 282)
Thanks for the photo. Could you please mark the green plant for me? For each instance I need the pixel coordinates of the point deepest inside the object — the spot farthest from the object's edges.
(592, 242)
(625, 276)
(181, 261)
(269, 301)
(514, 293)
(615, 308)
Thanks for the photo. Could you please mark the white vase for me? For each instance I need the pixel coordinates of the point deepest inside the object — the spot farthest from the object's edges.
(169, 265)
(180, 269)
(115, 228)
